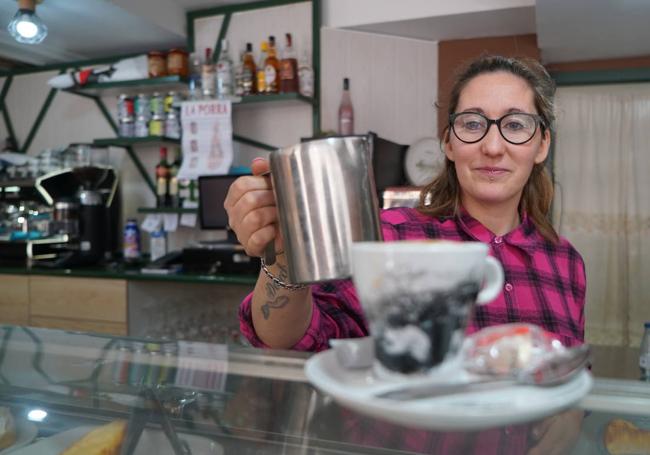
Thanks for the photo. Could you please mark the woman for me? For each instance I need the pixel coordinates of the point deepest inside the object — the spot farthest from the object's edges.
(494, 189)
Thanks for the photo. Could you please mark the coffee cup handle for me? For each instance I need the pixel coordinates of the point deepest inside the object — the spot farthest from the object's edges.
(493, 281)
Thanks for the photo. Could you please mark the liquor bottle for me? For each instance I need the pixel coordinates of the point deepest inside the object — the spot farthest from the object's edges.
(208, 79)
(249, 71)
(261, 74)
(162, 179)
(173, 179)
(272, 68)
(289, 68)
(224, 72)
(195, 78)
(644, 354)
(239, 76)
(346, 112)
(306, 76)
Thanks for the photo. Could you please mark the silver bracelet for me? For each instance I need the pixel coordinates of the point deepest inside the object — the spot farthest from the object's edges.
(278, 281)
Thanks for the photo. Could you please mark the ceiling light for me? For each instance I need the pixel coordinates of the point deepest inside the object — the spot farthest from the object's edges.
(26, 26)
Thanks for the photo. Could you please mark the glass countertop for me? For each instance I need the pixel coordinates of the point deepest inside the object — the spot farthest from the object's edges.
(218, 399)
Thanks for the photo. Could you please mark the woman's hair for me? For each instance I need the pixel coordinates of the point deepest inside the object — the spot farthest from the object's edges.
(442, 196)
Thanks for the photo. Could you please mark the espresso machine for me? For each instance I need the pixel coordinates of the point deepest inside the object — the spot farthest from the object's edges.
(85, 215)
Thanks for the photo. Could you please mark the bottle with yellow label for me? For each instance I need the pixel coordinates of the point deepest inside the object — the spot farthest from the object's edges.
(272, 68)
(261, 75)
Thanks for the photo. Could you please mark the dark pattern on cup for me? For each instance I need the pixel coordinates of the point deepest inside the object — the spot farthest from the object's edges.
(422, 330)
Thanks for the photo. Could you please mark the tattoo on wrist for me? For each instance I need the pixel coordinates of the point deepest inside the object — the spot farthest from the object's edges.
(279, 302)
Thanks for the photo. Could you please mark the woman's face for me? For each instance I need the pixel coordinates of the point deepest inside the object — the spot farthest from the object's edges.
(493, 171)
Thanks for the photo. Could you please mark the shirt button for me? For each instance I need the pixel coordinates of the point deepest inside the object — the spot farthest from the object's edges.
(508, 287)
(498, 240)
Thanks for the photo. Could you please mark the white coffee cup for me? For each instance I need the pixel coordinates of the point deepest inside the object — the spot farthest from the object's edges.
(418, 296)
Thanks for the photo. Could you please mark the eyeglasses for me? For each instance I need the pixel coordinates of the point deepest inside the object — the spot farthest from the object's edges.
(516, 128)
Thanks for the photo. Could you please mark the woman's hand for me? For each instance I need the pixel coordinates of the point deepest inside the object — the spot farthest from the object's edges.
(252, 213)
(557, 434)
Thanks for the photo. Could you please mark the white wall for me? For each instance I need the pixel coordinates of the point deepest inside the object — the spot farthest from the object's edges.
(394, 83)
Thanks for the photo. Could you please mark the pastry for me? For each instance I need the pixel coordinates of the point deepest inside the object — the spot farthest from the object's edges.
(625, 438)
(7, 428)
(104, 440)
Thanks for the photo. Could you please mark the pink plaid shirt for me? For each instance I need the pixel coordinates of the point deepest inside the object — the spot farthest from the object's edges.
(544, 285)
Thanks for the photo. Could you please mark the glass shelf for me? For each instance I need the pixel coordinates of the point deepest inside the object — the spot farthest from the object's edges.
(166, 210)
(129, 141)
(157, 84)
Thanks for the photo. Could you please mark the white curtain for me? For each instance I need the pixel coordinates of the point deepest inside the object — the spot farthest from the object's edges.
(602, 173)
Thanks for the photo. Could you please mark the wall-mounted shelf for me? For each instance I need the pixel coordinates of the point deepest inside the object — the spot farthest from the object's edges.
(178, 210)
(148, 86)
(130, 141)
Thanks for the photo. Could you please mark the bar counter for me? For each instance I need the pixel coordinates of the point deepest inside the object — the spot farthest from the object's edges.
(217, 399)
(124, 273)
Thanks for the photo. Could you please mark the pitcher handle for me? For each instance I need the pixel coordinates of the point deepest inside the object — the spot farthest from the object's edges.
(269, 253)
(269, 250)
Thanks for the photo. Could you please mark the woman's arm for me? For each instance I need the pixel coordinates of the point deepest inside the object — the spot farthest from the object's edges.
(280, 316)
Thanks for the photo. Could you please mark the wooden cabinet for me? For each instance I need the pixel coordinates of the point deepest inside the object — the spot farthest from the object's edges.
(14, 299)
(85, 304)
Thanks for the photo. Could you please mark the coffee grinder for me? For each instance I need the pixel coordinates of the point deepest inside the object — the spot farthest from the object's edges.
(86, 211)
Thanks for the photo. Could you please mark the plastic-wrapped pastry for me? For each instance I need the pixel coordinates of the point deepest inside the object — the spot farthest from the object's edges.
(624, 438)
(104, 440)
(506, 349)
(7, 428)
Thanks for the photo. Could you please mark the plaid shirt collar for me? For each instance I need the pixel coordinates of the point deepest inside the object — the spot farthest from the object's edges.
(523, 236)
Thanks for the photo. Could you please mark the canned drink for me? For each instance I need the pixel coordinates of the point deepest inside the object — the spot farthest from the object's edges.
(141, 127)
(157, 105)
(138, 369)
(131, 248)
(126, 128)
(122, 364)
(172, 125)
(168, 372)
(157, 126)
(142, 106)
(171, 101)
(125, 107)
(154, 364)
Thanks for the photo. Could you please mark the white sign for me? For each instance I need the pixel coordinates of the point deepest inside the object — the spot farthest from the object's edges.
(207, 138)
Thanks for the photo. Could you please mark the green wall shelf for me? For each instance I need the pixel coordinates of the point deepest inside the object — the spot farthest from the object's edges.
(148, 86)
(129, 141)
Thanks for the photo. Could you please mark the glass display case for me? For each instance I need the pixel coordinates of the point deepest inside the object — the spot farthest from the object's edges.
(179, 397)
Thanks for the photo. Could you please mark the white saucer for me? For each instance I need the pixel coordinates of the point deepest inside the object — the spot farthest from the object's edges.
(355, 389)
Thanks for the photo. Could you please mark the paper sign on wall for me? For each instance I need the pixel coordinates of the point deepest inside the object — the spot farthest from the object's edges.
(207, 138)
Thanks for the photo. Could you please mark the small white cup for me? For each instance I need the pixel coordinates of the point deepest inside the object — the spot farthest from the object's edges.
(418, 296)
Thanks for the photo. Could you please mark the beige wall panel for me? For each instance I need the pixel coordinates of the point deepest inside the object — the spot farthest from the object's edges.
(393, 83)
(14, 299)
(111, 328)
(78, 298)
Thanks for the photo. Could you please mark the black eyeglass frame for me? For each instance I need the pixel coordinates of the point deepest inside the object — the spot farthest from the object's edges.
(539, 121)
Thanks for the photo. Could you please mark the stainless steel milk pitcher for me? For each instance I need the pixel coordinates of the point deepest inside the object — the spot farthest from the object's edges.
(326, 198)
